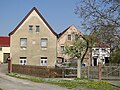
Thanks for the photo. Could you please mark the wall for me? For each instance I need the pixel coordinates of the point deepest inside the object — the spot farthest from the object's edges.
(4, 50)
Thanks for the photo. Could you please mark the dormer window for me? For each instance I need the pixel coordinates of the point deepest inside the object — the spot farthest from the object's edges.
(30, 27)
(37, 28)
(69, 37)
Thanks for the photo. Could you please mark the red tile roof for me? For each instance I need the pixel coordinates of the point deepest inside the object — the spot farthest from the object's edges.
(4, 41)
(101, 44)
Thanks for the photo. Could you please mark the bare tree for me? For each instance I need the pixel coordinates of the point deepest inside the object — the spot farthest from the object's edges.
(101, 17)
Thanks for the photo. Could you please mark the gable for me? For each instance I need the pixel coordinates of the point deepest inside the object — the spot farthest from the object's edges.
(33, 13)
(70, 30)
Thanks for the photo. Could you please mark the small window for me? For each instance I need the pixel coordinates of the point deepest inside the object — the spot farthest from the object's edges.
(62, 49)
(23, 61)
(69, 37)
(44, 42)
(37, 28)
(0, 48)
(43, 61)
(76, 36)
(23, 42)
(30, 27)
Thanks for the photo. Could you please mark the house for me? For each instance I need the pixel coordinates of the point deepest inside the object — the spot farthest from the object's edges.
(4, 48)
(68, 37)
(33, 41)
(100, 53)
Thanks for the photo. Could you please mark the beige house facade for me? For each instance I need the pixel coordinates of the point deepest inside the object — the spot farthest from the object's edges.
(33, 41)
(68, 37)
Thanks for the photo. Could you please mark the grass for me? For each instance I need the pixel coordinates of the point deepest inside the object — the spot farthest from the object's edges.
(75, 83)
(0, 89)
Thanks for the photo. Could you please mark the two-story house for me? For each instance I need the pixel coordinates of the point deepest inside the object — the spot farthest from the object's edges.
(100, 53)
(33, 41)
(4, 48)
(68, 37)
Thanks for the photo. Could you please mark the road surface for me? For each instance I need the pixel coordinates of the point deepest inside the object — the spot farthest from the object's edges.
(10, 83)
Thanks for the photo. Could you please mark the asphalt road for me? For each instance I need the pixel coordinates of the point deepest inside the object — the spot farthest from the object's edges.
(10, 83)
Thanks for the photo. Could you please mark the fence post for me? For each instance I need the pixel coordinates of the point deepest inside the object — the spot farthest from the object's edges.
(63, 72)
(99, 71)
(9, 65)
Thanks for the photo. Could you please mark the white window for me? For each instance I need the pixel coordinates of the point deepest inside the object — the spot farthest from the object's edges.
(0, 48)
(44, 42)
(37, 28)
(43, 61)
(23, 61)
(30, 27)
(23, 42)
(69, 37)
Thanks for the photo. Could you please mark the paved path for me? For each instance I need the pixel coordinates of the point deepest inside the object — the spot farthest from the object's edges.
(115, 83)
(10, 83)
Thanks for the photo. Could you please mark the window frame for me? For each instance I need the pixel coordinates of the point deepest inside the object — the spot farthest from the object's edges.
(37, 29)
(30, 28)
(43, 61)
(62, 48)
(69, 37)
(43, 41)
(23, 46)
(24, 60)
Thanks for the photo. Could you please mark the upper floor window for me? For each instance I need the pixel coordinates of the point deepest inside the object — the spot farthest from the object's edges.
(62, 49)
(23, 42)
(76, 36)
(69, 37)
(23, 61)
(37, 28)
(30, 27)
(0, 48)
(44, 42)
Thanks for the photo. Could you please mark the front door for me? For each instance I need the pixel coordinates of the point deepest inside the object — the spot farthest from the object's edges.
(95, 61)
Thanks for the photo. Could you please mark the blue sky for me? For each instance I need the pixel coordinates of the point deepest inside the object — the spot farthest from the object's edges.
(58, 13)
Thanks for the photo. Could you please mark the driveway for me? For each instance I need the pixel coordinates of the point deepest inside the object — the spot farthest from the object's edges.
(10, 83)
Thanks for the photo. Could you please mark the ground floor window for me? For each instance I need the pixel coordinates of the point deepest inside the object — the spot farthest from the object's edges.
(43, 61)
(23, 61)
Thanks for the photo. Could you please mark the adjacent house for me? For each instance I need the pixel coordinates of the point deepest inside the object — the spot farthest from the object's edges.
(4, 48)
(33, 41)
(68, 37)
(100, 53)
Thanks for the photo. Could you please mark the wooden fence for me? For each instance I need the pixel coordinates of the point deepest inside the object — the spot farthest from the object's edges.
(108, 72)
(37, 71)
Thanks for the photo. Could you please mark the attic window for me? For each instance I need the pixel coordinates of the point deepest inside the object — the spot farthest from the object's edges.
(30, 27)
(37, 28)
(69, 36)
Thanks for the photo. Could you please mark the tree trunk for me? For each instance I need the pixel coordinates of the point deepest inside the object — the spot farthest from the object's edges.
(79, 68)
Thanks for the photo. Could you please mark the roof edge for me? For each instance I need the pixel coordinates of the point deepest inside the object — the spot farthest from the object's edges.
(34, 8)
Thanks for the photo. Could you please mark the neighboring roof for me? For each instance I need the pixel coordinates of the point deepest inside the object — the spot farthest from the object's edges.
(101, 44)
(60, 34)
(4, 41)
(27, 17)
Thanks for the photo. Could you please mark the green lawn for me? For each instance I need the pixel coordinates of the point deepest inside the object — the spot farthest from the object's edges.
(75, 83)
